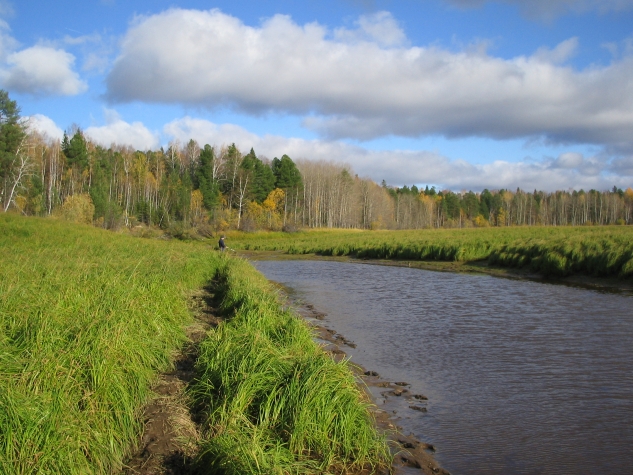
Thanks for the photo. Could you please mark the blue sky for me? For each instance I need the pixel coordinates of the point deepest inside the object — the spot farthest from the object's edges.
(461, 94)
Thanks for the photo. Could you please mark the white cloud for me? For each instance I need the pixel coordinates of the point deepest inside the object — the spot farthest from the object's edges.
(362, 89)
(45, 126)
(561, 53)
(623, 166)
(95, 62)
(117, 131)
(400, 167)
(568, 160)
(381, 28)
(41, 70)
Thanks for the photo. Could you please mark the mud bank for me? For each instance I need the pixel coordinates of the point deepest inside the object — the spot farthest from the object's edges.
(411, 455)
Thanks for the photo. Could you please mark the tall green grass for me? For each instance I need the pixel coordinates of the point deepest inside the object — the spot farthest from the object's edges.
(551, 251)
(87, 319)
(607, 255)
(277, 404)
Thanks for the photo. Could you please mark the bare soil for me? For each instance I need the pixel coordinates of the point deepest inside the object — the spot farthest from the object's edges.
(168, 445)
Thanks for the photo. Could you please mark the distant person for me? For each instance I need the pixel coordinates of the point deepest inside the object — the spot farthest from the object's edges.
(222, 245)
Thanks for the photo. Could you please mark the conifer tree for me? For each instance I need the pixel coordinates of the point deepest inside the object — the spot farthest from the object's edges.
(75, 150)
(12, 133)
(207, 183)
(287, 175)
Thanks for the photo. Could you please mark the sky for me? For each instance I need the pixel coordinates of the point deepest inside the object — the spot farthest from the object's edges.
(457, 94)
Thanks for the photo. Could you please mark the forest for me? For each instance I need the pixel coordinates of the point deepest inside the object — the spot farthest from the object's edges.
(219, 187)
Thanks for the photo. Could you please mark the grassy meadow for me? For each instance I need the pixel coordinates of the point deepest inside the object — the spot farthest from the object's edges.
(552, 251)
(88, 319)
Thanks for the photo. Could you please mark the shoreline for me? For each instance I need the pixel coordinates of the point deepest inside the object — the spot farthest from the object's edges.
(411, 455)
(601, 284)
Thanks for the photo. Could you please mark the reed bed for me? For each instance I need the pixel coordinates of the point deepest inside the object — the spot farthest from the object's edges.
(276, 403)
(87, 320)
(552, 251)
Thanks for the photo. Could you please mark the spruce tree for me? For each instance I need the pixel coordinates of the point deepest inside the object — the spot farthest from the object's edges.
(286, 173)
(76, 151)
(204, 176)
(12, 132)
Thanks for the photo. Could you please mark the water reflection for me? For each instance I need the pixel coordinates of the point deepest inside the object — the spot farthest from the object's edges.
(522, 377)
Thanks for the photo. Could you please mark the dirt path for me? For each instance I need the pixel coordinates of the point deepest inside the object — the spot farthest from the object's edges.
(170, 436)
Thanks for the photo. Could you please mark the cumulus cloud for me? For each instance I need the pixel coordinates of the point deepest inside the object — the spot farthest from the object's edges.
(45, 126)
(548, 9)
(400, 167)
(352, 85)
(117, 131)
(41, 70)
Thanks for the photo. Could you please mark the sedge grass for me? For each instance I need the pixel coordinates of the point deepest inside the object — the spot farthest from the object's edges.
(552, 251)
(87, 320)
(277, 404)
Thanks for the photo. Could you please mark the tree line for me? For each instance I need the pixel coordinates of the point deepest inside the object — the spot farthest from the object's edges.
(219, 187)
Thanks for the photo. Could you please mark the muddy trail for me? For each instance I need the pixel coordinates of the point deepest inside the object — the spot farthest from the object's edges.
(170, 438)
(169, 444)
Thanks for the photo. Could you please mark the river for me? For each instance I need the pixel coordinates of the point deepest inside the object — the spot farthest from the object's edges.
(521, 377)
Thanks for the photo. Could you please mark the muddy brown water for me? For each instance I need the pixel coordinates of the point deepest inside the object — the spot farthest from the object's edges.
(521, 377)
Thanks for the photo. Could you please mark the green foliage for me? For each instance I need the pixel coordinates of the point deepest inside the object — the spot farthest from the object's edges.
(207, 184)
(87, 319)
(560, 251)
(287, 175)
(602, 254)
(107, 213)
(263, 180)
(75, 150)
(12, 133)
(277, 403)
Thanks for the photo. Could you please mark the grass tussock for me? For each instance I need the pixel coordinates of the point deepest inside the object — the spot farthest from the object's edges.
(87, 320)
(277, 404)
(608, 255)
(551, 251)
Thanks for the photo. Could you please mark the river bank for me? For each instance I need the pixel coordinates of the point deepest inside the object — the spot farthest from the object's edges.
(411, 455)
(515, 371)
(610, 284)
